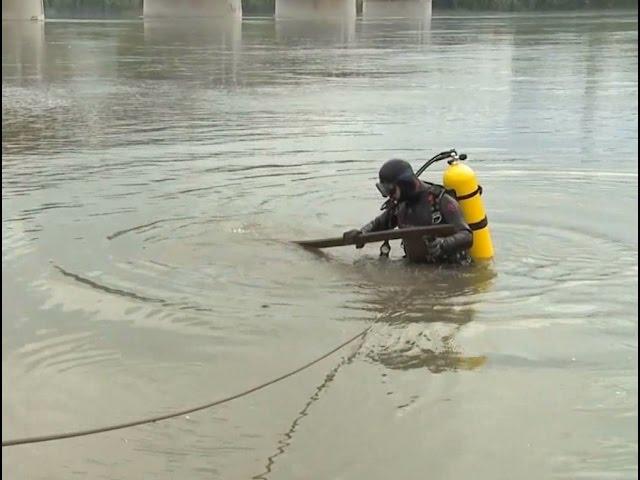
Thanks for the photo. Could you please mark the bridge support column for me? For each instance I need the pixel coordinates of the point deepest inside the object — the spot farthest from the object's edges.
(22, 10)
(415, 9)
(191, 8)
(315, 9)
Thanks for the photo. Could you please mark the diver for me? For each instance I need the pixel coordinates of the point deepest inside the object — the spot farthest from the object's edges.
(414, 203)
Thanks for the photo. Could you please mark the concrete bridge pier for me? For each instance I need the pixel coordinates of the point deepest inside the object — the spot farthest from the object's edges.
(414, 9)
(22, 10)
(316, 9)
(191, 8)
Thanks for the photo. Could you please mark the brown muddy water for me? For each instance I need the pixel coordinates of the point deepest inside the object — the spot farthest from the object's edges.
(152, 174)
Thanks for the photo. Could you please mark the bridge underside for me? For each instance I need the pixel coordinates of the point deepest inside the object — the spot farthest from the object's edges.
(416, 9)
(293, 9)
(191, 8)
(285, 9)
(315, 9)
(22, 10)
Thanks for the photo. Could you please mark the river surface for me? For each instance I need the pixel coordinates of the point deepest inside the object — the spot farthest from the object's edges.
(154, 172)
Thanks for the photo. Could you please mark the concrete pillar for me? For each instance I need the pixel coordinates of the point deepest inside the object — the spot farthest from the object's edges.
(315, 9)
(22, 10)
(191, 8)
(416, 9)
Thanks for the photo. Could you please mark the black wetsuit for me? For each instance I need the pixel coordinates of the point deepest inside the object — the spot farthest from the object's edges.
(429, 205)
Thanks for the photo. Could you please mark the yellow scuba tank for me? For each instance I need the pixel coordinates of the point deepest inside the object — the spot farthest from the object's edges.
(460, 178)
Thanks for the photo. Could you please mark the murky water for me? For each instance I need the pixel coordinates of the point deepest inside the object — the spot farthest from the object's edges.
(152, 174)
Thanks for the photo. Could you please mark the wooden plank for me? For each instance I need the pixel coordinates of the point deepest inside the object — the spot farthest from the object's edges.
(429, 231)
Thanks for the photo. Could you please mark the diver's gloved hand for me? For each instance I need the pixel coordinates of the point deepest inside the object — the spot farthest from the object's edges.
(437, 247)
(355, 236)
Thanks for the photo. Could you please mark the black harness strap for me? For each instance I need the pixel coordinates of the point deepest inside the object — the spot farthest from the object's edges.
(477, 191)
(479, 225)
